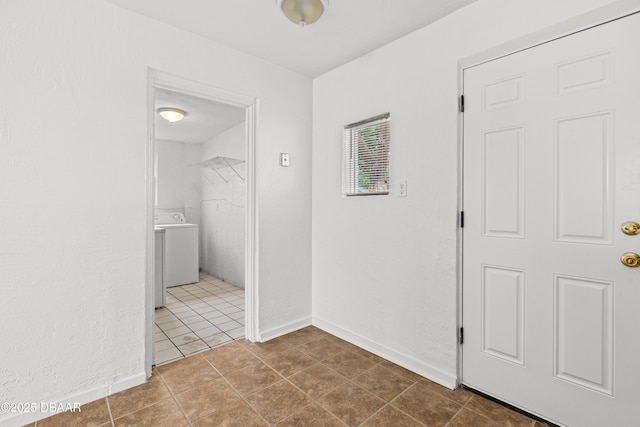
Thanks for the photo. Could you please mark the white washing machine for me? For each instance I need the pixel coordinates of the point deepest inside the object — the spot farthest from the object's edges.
(180, 249)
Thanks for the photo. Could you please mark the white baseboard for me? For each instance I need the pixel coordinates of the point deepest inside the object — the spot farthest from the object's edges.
(434, 374)
(283, 330)
(127, 383)
(41, 408)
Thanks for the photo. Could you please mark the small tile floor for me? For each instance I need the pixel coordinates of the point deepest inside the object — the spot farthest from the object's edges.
(198, 317)
(305, 378)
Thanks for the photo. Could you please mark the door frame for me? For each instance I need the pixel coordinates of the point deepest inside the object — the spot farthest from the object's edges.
(614, 11)
(160, 80)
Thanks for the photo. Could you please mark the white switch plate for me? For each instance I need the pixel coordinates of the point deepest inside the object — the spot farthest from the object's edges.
(284, 160)
(402, 189)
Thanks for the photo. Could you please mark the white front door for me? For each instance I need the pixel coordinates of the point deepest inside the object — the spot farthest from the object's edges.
(551, 316)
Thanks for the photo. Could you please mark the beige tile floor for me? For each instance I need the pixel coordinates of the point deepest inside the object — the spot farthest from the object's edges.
(306, 378)
(198, 317)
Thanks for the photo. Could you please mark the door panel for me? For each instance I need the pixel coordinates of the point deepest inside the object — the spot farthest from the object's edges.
(503, 313)
(584, 181)
(551, 171)
(584, 359)
(503, 183)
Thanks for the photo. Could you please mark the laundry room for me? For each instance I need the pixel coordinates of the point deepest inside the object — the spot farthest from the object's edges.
(200, 210)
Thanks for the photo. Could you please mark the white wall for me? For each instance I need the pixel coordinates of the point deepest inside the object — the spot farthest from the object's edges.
(170, 176)
(192, 183)
(394, 289)
(73, 173)
(230, 143)
(224, 203)
(179, 180)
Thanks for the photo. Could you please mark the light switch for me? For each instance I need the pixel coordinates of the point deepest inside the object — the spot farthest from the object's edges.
(284, 160)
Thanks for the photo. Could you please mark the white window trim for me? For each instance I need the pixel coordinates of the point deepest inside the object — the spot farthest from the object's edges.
(350, 157)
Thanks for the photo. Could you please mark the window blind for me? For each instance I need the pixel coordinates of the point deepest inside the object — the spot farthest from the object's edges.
(366, 157)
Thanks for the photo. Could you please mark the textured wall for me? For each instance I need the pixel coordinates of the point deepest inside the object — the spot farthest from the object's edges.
(73, 173)
(384, 267)
(171, 158)
(224, 207)
(192, 183)
(179, 181)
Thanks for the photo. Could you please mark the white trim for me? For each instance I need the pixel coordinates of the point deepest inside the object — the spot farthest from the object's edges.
(459, 230)
(252, 312)
(161, 80)
(428, 371)
(600, 16)
(20, 419)
(127, 383)
(283, 330)
(149, 288)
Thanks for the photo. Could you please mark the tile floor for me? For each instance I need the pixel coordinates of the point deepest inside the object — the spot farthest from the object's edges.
(198, 317)
(306, 378)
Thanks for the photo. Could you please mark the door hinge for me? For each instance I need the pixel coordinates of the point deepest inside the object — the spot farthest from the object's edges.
(462, 103)
(461, 219)
(461, 336)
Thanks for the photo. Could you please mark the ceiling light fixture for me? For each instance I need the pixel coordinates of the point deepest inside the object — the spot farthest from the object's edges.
(172, 114)
(303, 12)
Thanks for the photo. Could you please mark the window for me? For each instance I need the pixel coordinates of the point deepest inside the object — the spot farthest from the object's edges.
(366, 157)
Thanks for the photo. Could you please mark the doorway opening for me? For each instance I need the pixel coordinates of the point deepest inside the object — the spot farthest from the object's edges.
(201, 219)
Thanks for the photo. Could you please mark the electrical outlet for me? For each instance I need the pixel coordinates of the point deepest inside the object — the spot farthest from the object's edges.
(284, 160)
(402, 189)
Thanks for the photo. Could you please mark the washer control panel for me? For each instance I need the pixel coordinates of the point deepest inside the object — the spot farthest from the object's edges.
(169, 218)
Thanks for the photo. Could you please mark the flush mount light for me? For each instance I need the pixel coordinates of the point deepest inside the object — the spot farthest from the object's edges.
(172, 114)
(303, 12)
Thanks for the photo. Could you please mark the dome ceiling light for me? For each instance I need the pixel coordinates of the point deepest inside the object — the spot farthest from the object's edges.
(172, 114)
(303, 12)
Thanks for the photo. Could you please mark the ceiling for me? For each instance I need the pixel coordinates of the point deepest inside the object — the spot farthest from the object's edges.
(348, 29)
(204, 120)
